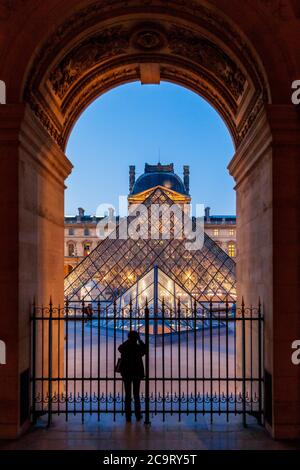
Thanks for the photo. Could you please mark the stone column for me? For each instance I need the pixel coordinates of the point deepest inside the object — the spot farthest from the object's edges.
(285, 380)
(266, 168)
(33, 169)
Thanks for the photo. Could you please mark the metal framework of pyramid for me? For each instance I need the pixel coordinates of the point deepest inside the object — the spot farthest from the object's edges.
(170, 307)
(115, 265)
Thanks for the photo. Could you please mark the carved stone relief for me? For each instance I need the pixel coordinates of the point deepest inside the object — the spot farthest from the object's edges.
(147, 38)
(77, 76)
(187, 44)
(109, 43)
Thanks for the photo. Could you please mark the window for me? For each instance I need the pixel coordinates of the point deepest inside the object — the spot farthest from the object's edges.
(86, 248)
(216, 232)
(232, 232)
(231, 250)
(86, 231)
(71, 231)
(71, 249)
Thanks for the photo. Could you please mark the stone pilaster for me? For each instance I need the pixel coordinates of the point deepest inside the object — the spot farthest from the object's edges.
(266, 168)
(33, 170)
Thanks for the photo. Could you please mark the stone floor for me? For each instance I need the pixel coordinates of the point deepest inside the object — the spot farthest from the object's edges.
(171, 435)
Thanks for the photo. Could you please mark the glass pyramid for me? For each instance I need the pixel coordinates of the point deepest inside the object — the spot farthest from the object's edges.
(171, 307)
(115, 265)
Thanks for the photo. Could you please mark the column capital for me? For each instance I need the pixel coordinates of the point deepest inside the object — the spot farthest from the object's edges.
(20, 127)
(274, 126)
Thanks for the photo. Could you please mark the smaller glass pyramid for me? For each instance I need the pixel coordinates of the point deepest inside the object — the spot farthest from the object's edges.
(171, 307)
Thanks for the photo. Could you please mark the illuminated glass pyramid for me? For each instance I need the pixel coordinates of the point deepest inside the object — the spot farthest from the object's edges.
(115, 265)
(171, 307)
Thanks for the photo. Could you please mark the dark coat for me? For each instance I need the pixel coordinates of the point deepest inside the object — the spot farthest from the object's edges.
(131, 359)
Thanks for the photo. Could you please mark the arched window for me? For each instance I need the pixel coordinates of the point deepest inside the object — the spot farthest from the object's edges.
(231, 250)
(86, 248)
(86, 231)
(71, 249)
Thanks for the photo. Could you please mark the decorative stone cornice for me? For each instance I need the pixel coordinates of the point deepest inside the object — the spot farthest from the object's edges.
(42, 149)
(177, 198)
(21, 128)
(273, 127)
(252, 148)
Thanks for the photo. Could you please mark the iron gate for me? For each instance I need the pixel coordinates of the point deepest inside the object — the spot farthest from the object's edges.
(198, 361)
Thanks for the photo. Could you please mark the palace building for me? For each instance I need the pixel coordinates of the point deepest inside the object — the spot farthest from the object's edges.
(80, 230)
(166, 265)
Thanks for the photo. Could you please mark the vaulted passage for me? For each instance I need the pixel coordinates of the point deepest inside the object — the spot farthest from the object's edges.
(242, 59)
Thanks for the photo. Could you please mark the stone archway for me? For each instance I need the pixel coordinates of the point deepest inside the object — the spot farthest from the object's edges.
(94, 46)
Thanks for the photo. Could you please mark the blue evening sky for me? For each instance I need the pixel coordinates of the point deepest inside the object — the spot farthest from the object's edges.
(133, 124)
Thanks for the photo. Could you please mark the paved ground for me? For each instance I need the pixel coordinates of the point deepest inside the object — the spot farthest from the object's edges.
(195, 356)
(170, 435)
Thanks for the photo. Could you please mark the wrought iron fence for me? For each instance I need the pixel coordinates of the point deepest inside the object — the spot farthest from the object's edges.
(199, 361)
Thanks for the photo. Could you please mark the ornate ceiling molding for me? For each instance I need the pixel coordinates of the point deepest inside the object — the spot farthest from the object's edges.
(71, 69)
(117, 41)
(109, 43)
(187, 44)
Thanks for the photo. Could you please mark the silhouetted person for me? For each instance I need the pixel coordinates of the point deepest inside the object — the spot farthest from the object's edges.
(88, 311)
(132, 371)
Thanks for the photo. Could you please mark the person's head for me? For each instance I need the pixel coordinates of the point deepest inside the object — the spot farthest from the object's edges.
(133, 336)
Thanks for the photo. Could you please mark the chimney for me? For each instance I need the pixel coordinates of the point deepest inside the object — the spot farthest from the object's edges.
(186, 177)
(131, 177)
(207, 213)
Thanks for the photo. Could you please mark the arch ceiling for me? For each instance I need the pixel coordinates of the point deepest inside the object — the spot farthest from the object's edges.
(106, 44)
